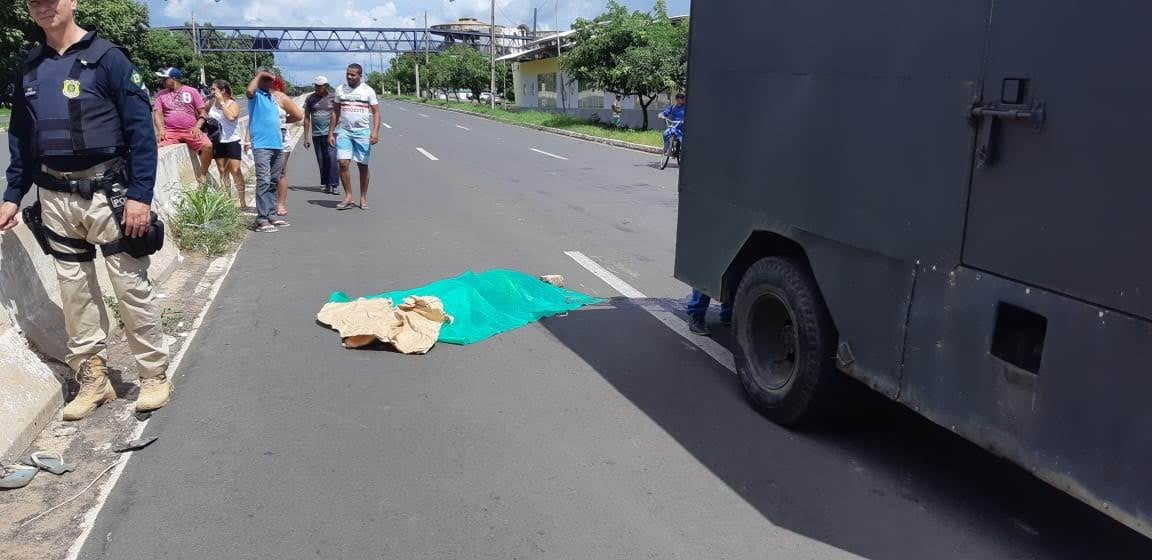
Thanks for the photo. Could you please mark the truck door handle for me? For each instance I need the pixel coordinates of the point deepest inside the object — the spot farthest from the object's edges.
(1035, 114)
(987, 150)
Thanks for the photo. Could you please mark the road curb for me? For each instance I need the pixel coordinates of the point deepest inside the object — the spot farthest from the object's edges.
(557, 131)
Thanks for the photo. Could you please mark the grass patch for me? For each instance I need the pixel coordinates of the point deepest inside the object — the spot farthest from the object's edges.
(172, 321)
(552, 120)
(5, 112)
(113, 306)
(209, 222)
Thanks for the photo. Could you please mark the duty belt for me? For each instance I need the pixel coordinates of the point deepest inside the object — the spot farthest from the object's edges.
(84, 182)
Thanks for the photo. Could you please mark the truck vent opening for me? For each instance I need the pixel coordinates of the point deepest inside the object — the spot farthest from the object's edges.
(1019, 336)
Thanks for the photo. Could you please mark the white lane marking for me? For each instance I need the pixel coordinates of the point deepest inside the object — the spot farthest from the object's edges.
(89, 519)
(402, 109)
(670, 320)
(427, 155)
(386, 125)
(549, 155)
(463, 127)
(422, 115)
(603, 274)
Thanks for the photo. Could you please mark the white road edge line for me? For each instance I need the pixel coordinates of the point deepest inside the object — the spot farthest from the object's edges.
(573, 138)
(549, 155)
(386, 125)
(422, 115)
(670, 320)
(463, 127)
(427, 155)
(89, 520)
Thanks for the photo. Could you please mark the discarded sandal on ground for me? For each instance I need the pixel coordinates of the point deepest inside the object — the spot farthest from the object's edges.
(17, 476)
(51, 462)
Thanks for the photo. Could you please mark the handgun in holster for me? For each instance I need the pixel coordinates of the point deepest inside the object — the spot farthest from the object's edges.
(35, 220)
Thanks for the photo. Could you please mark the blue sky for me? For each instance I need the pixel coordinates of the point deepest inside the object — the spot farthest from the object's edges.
(300, 68)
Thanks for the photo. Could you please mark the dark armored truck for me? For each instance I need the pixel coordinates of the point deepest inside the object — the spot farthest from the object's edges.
(948, 201)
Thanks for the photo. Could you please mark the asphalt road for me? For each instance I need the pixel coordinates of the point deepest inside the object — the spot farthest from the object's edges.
(602, 434)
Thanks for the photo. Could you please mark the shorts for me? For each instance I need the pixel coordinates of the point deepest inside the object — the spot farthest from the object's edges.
(227, 150)
(185, 137)
(349, 147)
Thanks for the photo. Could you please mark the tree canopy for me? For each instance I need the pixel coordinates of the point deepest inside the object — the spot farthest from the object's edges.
(635, 53)
(455, 68)
(124, 22)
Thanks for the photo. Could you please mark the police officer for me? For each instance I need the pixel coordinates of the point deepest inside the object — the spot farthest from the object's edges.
(81, 132)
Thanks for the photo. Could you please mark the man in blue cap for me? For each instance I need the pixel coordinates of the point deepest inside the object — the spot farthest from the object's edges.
(180, 112)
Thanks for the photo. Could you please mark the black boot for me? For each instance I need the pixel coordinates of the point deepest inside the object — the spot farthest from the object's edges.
(696, 325)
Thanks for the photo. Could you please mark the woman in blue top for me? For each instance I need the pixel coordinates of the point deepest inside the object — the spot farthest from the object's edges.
(267, 144)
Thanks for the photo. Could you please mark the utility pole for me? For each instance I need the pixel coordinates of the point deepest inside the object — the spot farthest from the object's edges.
(560, 69)
(535, 19)
(426, 36)
(492, 57)
(418, 79)
(196, 44)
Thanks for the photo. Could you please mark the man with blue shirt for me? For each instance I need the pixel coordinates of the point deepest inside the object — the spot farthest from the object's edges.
(82, 134)
(675, 113)
(267, 143)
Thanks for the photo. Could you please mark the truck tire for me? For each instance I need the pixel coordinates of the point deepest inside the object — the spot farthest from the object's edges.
(786, 343)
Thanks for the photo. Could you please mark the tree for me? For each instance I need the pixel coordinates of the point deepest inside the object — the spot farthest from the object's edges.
(403, 70)
(376, 81)
(630, 53)
(235, 67)
(467, 68)
(125, 23)
(160, 49)
(119, 21)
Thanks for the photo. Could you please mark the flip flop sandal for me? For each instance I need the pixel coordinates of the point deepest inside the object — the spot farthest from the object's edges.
(17, 476)
(345, 206)
(267, 228)
(51, 462)
(281, 223)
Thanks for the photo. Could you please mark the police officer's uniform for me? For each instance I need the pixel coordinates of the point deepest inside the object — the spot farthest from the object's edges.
(82, 133)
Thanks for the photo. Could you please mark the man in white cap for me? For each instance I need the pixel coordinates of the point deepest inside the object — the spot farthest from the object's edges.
(318, 123)
(180, 112)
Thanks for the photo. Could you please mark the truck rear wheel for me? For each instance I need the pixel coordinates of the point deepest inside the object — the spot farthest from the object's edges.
(786, 342)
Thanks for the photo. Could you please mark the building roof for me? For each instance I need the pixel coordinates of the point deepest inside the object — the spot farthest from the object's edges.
(546, 47)
(540, 48)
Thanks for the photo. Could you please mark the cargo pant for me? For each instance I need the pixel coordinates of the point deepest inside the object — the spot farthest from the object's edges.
(85, 316)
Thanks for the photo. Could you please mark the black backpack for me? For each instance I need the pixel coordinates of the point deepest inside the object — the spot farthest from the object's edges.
(211, 127)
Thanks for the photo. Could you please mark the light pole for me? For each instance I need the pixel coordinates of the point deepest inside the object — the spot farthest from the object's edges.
(417, 56)
(492, 57)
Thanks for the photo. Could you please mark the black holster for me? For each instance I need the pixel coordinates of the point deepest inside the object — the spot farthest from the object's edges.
(150, 243)
(35, 221)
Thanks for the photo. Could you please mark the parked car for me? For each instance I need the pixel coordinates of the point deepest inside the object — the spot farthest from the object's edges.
(485, 97)
(459, 95)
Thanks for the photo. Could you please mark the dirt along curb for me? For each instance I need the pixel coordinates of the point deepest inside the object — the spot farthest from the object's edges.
(32, 527)
(557, 131)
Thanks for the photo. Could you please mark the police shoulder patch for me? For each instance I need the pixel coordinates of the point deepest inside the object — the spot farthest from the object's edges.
(136, 79)
(71, 89)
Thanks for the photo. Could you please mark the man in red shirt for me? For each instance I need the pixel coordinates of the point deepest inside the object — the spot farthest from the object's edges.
(180, 112)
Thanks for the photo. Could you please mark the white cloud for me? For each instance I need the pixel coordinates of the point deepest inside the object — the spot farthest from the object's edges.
(300, 68)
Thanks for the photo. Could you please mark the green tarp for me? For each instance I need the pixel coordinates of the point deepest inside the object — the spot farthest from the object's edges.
(489, 303)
